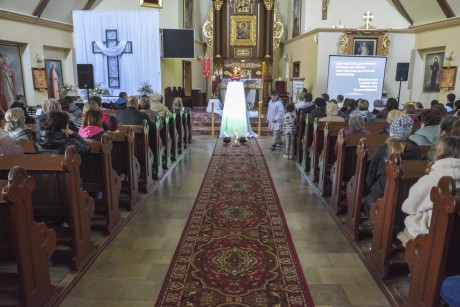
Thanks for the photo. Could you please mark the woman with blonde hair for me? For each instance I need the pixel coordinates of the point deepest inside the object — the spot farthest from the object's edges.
(177, 104)
(418, 204)
(332, 110)
(398, 142)
(15, 125)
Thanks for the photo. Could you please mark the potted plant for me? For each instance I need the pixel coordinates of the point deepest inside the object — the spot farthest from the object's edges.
(145, 89)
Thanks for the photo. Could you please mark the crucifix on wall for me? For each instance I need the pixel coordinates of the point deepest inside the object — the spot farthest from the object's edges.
(112, 48)
(324, 9)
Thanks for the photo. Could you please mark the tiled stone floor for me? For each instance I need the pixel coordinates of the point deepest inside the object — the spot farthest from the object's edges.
(130, 271)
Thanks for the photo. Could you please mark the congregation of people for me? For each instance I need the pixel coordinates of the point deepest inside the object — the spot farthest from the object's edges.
(439, 129)
(63, 122)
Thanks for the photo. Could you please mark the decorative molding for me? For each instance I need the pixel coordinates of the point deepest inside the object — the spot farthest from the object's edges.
(318, 30)
(34, 20)
(278, 30)
(269, 4)
(343, 44)
(218, 4)
(242, 53)
(447, 23)
(386, 44)
(208, 29)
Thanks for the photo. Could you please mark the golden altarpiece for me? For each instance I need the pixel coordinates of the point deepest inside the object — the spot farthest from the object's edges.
(243, 34)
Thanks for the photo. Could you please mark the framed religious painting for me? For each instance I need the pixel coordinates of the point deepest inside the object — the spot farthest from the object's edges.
(11, 80)
(243, 30)
(39, 79)
(152, 3)
(54, 78)
(188, 14)
(448, 78)
(365, 46)
(296, 17)
(432, 71)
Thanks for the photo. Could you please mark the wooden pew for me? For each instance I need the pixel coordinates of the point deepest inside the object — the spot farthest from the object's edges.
(125, 163)
(98, 176)
(356, 190)
(345, 166)
(436, 255)
(59, 198)
(300, 130)
(30, 244)
(177, 115)
(157, 148)
(174, 137)
(307, 141)
(186, 122)
(166, 141)
(318, 145)
(28, 146)
(401, 175)
(143, 153)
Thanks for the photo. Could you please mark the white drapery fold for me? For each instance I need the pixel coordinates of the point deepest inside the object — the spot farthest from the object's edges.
(114, 51)
(141, 28)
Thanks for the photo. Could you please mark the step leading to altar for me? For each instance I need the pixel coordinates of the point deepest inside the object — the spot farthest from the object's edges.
(202, 122)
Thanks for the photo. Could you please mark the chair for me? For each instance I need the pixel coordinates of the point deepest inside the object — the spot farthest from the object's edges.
(280, 87)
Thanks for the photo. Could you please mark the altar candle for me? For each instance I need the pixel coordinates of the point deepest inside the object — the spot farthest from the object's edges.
(260, 107)
(263, 71)
(212, 106)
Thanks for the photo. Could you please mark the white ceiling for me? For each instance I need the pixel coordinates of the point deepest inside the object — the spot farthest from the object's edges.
(420, 11)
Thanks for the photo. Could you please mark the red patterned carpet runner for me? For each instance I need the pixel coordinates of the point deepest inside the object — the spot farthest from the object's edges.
(236, 249)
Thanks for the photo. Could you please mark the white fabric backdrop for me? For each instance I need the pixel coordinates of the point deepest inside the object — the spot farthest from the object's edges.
(139, 27)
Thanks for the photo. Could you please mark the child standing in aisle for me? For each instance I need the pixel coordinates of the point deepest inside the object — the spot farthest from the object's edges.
(275, 117)
(290, 122)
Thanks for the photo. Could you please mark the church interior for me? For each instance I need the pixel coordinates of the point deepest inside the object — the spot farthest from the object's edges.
(168, 214)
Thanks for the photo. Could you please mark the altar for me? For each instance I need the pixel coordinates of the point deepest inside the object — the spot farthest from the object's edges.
(251, 93)
(235, 118)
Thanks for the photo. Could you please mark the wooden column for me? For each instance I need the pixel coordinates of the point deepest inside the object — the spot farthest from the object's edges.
(269, 28)
(217, 27)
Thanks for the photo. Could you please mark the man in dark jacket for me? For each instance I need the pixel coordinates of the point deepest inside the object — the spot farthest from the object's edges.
(121, 102)
(131, 115)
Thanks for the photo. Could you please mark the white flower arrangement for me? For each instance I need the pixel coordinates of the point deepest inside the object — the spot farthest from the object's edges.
(98, 90)
(68, 89)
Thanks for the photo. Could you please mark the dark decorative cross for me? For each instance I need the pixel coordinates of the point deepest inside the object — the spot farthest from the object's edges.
(113, 69)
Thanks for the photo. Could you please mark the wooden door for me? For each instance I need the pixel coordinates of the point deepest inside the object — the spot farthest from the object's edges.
(187, 77)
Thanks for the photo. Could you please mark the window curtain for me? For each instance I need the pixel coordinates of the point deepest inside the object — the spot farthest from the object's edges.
(139, 27)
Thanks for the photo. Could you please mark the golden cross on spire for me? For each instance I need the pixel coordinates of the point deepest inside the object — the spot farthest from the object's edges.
(368, 18)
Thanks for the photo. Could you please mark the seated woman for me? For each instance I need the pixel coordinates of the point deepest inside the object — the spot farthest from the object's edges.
(15, 125)
(409, 109)
(332, 110)
(398, 142)
(56, 135)
(356, 123)
(363, 110)
(418, 204)
(157, 105)
(8, 145)
(177, 104)
(390, 117)
(50, 105)
(91, 128)
(430, 120)
(144, 107)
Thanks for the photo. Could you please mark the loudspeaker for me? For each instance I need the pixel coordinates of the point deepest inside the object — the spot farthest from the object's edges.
(402, 71)
(85, 76)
